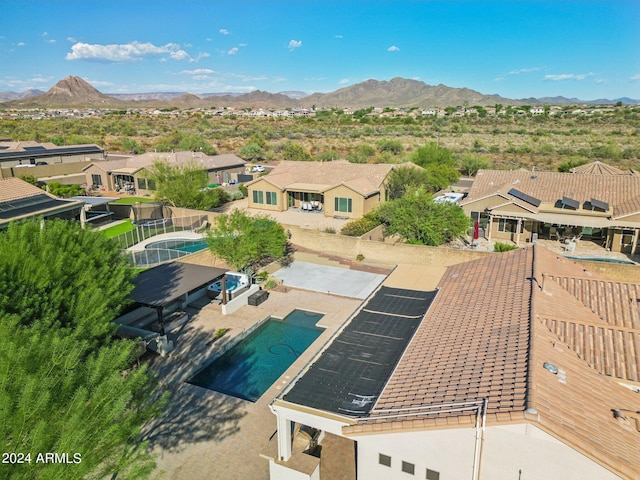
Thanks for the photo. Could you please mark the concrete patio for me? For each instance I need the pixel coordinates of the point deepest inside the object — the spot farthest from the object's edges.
(206, 434)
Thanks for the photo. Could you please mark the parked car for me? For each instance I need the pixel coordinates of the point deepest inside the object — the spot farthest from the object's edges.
(258, 168)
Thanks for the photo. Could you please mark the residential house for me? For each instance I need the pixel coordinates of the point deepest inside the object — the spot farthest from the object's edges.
(338, 188)
(129, 172)
(30, 153)
(525, 365)
(596, 202)
(20, 200)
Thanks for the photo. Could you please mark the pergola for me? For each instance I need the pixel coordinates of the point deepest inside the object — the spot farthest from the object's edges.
(161, 286)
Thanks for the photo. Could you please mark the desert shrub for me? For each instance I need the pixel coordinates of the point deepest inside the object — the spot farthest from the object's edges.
(360, 226)
(503, 247)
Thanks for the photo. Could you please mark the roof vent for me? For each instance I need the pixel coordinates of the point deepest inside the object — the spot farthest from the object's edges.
(550, 367)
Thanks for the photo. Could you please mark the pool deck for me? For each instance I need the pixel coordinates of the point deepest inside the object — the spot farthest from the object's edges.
(206, 434)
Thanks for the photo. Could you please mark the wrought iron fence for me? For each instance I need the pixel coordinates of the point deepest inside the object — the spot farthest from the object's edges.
(151, 227)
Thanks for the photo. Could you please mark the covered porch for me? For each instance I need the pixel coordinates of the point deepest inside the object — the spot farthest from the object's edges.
(305, 197)
(567, 230)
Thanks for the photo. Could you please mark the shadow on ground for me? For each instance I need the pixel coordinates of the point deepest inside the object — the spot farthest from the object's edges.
(193, 414)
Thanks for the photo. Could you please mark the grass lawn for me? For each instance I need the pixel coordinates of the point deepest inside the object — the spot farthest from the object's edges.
(119, 229)
(132, 200)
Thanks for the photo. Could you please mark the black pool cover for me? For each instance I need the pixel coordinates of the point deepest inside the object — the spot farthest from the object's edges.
(350, 374)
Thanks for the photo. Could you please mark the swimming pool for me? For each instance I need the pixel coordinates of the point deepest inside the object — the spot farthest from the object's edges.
(250, 367)
(180, 244)
(601, 259)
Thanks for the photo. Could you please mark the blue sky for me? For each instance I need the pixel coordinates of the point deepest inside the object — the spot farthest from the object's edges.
(586, 49)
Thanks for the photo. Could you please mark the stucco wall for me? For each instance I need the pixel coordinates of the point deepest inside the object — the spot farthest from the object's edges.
(357, 202)
(510, 452)
(377, 252)
(263, 186)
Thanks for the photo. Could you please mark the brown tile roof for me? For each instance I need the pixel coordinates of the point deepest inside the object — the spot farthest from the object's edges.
(488, 333)
(599, 168)
(622, 192)
(362, 178)
(138, 162)
(464, 351)
(15, 188)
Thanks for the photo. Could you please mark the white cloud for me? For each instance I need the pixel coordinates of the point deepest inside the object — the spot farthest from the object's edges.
(635, 78)
(393, 48)
(224, 31)
(197, 71)
(314, 79)
(524, 70)
(293, 44)
(99, 83)
(20, 44)
(339, 36)
(72, 40)
(343, 81)
(279, 80)
(45, 34)
(233, 51)
(129, 52)
(568, 76)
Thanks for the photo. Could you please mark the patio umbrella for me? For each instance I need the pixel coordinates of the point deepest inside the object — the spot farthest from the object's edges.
(476, 230)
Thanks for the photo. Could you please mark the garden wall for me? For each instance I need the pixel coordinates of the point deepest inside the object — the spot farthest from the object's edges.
(378, 252)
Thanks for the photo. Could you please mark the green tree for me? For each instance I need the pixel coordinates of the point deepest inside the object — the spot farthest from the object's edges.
(243, 240)
(420, 220)
(362, 154)
(439, 163)
(360, 226)
(253, 152)
(469, 164)
(61, 190)
(293, 151)
(184, 186)
(432, 154)
(572, 162)
(62, 387)
(29, 179)
(131, 146)
(389, 145)
(403, 177)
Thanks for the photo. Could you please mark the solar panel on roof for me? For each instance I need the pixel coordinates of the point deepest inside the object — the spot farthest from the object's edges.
(524, 197)
(31, 149)
(599, 205)
(350, 374)
(570, 202)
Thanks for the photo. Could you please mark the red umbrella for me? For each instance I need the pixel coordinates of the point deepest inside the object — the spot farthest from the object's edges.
(476, 230)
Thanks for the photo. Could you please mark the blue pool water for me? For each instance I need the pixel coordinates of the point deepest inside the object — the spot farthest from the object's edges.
(603, 259)
(249, 368)
(180, 244)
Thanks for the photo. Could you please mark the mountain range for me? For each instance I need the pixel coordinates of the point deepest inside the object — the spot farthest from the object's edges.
(398, 92)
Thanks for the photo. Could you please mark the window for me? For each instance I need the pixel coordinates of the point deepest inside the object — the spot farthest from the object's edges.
(408, 467)
(509, 225)
(627, 237)
(433, 475)
(151, 184)
(142, 184)
(96, 179)
(384, 460)
(343, 205)
(272, 198)
(258, 196)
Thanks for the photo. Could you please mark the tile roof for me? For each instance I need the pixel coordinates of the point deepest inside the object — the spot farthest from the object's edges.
(490, 330)
(621, 192)
(463, 351)
(362, 178)
(599, 168)
(138, 162)
(15, 189)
